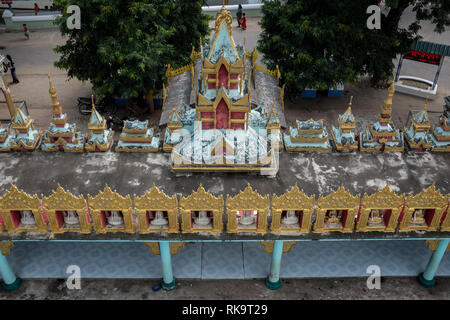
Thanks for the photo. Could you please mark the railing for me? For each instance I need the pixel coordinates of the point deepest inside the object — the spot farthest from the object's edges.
(274, 73)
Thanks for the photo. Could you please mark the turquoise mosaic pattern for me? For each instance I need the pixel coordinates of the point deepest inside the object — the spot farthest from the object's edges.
(227, 260)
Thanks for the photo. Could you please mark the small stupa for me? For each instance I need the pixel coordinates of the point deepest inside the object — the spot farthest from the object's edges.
(344, 135)
(61, 136)
(100, 138)
(417, 130)
(24, 138)
(136, 136)
(440, 137)
(382, 135)
(309, 136)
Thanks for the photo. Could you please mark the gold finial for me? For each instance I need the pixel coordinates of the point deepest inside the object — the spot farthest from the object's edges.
(92, 99)
(350, 103)
(245, 41)
(426, 104)
(224, 3)
(55, 103)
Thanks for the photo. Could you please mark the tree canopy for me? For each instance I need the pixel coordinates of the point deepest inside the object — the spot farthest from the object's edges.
(124, 46)
(320, 43)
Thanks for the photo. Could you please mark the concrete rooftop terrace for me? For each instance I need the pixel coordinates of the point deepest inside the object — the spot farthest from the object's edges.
(135, 173)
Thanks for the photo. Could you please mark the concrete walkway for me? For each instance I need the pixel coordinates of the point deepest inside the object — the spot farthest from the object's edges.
(292, 289)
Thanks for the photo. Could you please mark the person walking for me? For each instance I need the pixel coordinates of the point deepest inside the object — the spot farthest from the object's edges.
(36, 9)
(239, 15)
(244, 22)
(12, 67)
(26, 32)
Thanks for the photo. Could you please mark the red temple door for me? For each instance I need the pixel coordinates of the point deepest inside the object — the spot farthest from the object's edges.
(222, 115)
(223, 77)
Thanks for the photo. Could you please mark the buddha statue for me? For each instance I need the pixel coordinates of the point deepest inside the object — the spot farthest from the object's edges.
(290, 218)
(334, 216)
(27, 218)
(115, 218)
(418, 216)
(159, 220)
(376, 216)
(247, 218)
(202, 219)
(71, 219)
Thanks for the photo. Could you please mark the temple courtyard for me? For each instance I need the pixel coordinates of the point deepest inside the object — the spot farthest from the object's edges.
(228, 268)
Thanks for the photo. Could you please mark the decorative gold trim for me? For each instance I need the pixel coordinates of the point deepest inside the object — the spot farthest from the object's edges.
(5, 247)
(383, 199)
(248, 199)
(156, 200)
(61, 200)
(109, 200)
(201, 200)
(433, 245)
(429, 198)
(341, 199)
(294, 199)
(268, 246)
(175, 247)
(18, 200)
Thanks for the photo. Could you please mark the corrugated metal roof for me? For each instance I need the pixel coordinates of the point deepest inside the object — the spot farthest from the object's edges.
(431, 47)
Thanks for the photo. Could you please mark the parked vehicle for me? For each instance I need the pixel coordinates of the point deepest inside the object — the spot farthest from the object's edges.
(105, 106)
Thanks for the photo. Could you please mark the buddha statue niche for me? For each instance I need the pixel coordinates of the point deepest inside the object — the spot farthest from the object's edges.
(27, 219)
(290, 218)
(115, 219)
(71, 219)
(333, 216)
(376, 216)
(203, 220)
(159, 220)
(418, 216)
(247, 218)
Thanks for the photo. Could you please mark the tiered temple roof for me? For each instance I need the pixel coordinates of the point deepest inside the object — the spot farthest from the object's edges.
(417, 130)
(136, 136)
(344, 136)
(100, 137)
(222, 117)
(441, 133)
(382, 135)
(309, 135)
(23, 137)
(61, 136)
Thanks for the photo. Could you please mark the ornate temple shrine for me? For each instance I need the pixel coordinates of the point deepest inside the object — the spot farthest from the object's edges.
(100, 138)
(382, 135)
(136, 136)
(23, 138)
(440, 138)
(308, 136)
(225, 114)
(344, 136)
(61, 136)
(417, 130)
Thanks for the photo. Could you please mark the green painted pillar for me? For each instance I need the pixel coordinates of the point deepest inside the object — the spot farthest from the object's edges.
(427, 277)
(10, 281)
(168, 281)
(273, 281)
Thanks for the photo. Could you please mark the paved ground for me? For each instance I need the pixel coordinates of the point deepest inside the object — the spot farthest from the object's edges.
(292, 289)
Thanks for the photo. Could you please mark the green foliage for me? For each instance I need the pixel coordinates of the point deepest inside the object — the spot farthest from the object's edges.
(124, 46)
(320, 43)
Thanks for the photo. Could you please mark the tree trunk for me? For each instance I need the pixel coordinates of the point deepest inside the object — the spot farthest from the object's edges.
(150, 103)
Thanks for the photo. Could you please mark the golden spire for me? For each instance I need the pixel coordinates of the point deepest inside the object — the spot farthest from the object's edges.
(426, 104)
(92, 99)
(55, 103)
(350, 103)
(391, 91)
